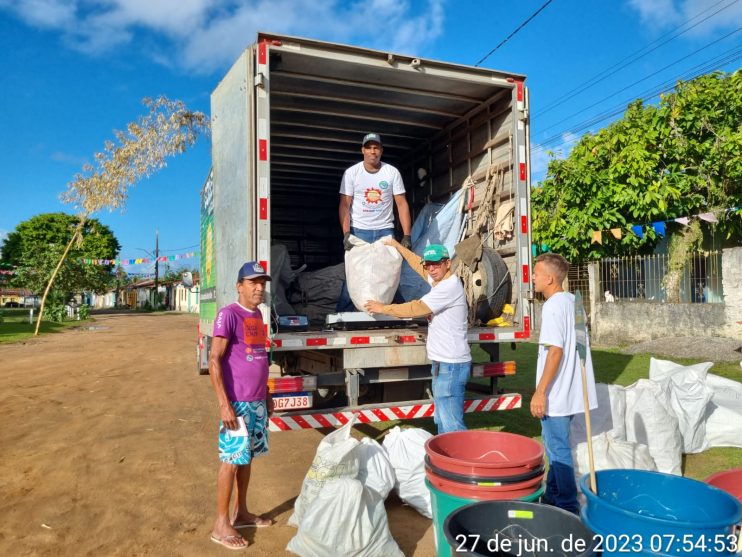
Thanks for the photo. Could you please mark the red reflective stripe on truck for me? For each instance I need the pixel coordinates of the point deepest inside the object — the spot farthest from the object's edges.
(263, 52)
(522, 172)
(360, 340)
(527, 323)
(263, 150)
(524, 224)
(487, 336)
(409, 338)
(277, 343)
(519, 90)
(322, 420)
(265, 266)
(263, 212)
(316, 342)
(525, 273)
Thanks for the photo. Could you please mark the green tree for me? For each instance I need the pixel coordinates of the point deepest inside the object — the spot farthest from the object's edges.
(679, 158)
(35, 246)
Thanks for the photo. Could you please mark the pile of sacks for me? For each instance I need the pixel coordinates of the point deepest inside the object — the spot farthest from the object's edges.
(340, 510)
(649, 425)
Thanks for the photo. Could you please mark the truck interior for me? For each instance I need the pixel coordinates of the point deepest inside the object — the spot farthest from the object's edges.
(443, 126)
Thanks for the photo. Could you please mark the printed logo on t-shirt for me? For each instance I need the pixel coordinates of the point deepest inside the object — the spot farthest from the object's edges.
(372, 196)
(384, 185)
(252, 328)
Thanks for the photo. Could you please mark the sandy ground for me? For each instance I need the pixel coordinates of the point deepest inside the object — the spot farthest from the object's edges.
(108, 447)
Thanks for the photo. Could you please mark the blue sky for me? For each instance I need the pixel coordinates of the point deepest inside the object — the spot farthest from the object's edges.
(75, 70)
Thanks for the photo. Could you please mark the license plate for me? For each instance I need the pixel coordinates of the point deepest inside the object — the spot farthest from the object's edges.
(294, 401)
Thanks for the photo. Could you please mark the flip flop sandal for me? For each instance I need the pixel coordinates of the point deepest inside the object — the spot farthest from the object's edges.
(268, 522)
(228, 542)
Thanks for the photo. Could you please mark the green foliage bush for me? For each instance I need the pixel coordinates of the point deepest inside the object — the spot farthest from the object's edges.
(83, 311)
(56, 312)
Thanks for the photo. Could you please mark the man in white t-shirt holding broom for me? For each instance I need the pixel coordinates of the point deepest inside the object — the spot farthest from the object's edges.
(558, 396)
(447, 348)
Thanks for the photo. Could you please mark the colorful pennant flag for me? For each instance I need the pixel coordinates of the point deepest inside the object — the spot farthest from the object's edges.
(617, 233)
(597, 237)
(659, 227)
(637, 229)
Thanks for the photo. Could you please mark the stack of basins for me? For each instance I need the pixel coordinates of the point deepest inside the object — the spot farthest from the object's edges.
(463, 467)
(650, 513)
(729, 481)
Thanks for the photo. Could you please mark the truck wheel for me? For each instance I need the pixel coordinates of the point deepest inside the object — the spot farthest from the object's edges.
(497, 288)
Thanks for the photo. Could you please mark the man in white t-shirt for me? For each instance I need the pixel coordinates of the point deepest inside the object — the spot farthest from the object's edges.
(446, 346)
(367, 193)
(558, 396)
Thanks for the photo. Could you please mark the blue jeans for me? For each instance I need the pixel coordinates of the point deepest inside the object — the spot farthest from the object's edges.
(449, 384)
(561, 489)
(370, 236)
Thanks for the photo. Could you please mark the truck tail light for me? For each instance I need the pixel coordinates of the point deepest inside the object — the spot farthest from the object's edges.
(293, 384)
(494, 369)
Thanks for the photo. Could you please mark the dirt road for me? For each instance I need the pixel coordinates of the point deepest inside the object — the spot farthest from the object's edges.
(108, 447)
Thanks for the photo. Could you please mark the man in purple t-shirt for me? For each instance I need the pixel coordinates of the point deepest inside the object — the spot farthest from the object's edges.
(238, 366)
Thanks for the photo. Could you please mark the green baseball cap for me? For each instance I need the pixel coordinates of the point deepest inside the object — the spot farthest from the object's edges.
(435, 253)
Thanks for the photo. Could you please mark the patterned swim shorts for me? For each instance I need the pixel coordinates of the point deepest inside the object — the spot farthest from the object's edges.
(241, 450)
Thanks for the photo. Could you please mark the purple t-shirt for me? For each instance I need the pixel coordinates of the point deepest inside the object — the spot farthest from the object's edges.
(245, 362)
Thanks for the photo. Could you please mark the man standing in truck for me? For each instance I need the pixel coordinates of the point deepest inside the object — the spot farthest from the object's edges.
(367, 191)
(238, 368)
(447, 347)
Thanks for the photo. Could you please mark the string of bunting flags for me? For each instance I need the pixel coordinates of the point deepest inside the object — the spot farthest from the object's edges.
(659, 227)
(139, 260)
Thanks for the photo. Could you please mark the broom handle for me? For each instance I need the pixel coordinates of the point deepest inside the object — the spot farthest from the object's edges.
(588, 429)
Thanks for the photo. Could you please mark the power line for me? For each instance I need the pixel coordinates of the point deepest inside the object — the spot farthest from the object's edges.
(636, 56)
(521, 26)
(644, 78)
(705, 67)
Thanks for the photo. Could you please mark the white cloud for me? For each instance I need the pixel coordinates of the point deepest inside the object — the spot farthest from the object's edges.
(204, 35)
(67, 158)
(665, 14)
(540, 155)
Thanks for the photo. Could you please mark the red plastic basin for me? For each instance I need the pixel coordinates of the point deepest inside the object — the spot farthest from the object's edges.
(484, 453)
(485, 492)
(728, 480)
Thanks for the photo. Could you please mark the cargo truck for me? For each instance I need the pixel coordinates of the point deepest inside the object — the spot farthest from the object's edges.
(287, 120)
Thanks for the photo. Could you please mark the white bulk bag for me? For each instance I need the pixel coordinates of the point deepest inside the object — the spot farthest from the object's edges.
(651, 421)
(610, 453)
(372, 272)
(406, 451)
(689, 397)
(608, 417)
(345, 520)
(336, 457)
(375, 471)
(724, 413)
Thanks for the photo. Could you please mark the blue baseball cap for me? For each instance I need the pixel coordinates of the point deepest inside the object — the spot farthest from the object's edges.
(252, 270)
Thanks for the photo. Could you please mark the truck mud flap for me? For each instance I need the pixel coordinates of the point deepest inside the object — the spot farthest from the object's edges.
(371, 413)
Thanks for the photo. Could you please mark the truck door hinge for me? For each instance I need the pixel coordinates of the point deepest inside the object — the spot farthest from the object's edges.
(259, 80)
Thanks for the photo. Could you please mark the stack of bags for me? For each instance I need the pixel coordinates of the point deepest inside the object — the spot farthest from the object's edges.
(649, 425)
(340, 510)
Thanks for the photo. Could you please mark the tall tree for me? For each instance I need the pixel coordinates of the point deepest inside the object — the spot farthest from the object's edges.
(679, 158)
(168, 129)
(35, 246)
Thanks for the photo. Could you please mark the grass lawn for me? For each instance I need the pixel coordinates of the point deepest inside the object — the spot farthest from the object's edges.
(15, 326)
(610, 367)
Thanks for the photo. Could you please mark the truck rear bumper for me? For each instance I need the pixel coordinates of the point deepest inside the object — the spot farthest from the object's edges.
(371, 413)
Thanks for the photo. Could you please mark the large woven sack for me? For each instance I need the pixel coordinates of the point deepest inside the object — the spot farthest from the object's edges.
(372, 272)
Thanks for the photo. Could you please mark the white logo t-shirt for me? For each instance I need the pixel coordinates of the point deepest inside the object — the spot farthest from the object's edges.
(447, 329)
(373, 195)
(564, 397)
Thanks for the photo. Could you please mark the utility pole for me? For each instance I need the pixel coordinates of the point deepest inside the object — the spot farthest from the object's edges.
(157, 266)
